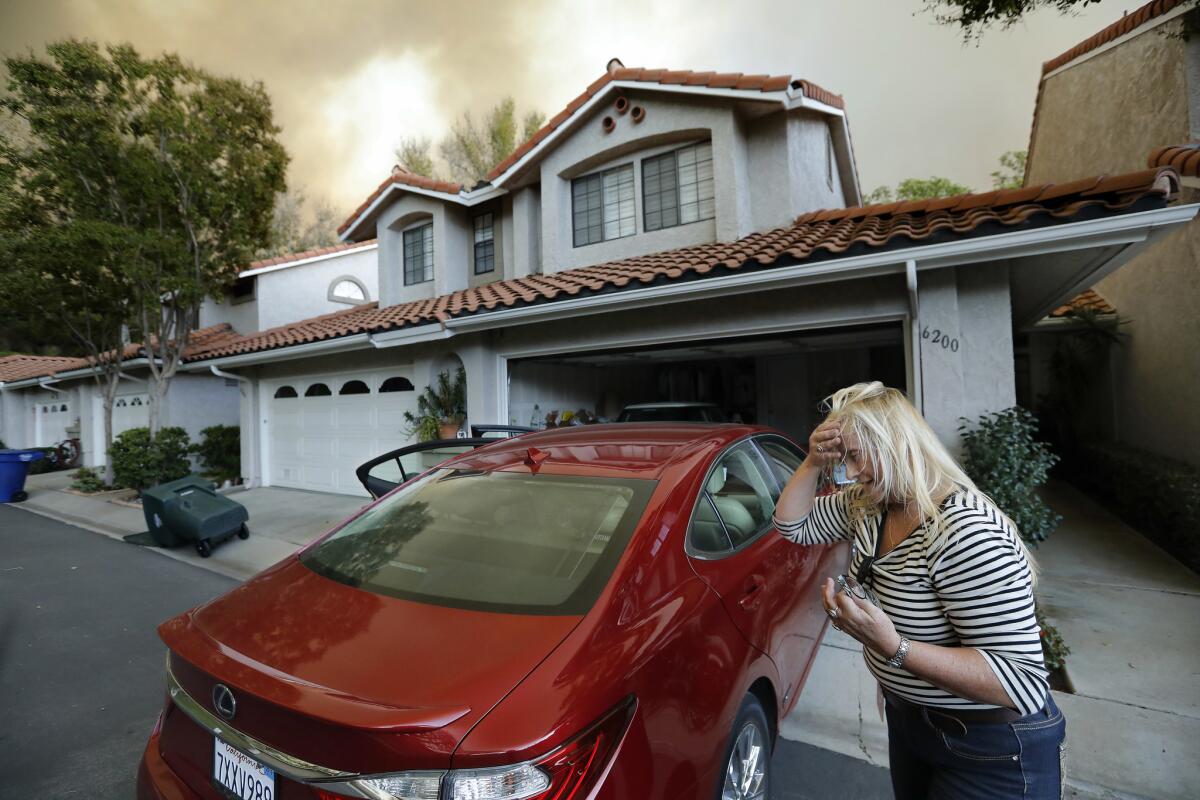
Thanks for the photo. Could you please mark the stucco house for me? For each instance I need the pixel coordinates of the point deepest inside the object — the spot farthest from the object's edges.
(45, 399)
(669, 236)
(1124, 99)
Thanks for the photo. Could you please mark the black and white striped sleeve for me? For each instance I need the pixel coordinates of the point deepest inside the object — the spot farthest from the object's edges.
(985, 587)
(828, 521)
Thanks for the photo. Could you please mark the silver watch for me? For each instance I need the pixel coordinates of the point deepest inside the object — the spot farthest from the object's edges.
(901, 654)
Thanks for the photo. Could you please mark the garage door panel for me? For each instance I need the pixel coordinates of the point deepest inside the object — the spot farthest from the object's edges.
(316, 442)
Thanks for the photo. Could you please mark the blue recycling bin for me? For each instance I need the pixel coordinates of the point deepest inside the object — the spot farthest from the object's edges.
(14, 466)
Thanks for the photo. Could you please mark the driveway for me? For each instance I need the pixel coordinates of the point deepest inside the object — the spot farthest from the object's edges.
(81, 668)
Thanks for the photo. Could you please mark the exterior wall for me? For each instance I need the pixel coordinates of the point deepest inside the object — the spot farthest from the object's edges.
(197, 401)
(14, 415)
(1140, 95)
(973, 374)
(527, 231)
(300, 292)
(451, 242)
(242, 316)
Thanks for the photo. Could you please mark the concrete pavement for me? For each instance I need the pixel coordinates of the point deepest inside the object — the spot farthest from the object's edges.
(281, 521)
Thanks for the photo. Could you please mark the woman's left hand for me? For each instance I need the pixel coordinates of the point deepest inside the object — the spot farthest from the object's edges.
(861, 619)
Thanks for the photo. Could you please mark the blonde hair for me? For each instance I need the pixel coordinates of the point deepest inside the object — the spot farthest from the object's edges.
(908, 461)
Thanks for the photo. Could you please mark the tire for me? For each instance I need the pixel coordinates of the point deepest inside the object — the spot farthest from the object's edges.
(243, 532)
(749, 741)
(204, 548)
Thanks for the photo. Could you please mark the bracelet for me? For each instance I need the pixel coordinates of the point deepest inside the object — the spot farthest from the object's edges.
(901, 654)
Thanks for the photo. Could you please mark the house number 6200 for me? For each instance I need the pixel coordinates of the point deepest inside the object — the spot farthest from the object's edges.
(937, 336)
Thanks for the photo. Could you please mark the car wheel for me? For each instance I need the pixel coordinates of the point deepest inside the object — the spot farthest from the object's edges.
(748, 756)
(204, 548)
(243, 532)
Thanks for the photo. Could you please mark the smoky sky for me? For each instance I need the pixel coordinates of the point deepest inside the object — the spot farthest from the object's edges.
(349, 79)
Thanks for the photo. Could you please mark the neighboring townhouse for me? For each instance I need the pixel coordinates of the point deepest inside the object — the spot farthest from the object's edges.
(1126, 98)
(44, 399)
(673, 236)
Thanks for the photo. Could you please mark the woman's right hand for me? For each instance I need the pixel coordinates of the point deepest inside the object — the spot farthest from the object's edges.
(825, 444)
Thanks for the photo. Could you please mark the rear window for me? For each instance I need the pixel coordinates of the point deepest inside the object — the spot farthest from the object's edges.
(498, 541)
(669, 414)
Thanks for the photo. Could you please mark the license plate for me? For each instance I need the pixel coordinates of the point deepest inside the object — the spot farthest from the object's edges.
(241, 775)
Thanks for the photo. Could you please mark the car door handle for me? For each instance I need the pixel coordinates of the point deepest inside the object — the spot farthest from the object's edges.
(753, 588)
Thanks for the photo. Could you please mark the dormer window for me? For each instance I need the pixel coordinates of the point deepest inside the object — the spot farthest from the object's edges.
(602, 205)
(347, 289)
(677, 187)
(485, 245)
(418, 254)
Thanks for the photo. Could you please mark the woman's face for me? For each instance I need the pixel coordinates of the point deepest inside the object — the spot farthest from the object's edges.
(858, 466)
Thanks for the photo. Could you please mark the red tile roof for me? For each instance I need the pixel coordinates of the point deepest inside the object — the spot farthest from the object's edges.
(713, 80)
(1183, 158)
(22, 367)
(1089, 300)
(19, 367)
(1124, 25)
(816, 236)
(288, 258)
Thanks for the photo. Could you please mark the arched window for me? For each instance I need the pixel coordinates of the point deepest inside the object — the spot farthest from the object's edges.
(354, 387)
(64, 407)
(317, 390)
(348, 289)
(396, 384)
(137, 401)
(284, 392)
(45, 409)
(120, 403)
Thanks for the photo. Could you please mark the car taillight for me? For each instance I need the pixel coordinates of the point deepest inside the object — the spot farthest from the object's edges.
(568, 773)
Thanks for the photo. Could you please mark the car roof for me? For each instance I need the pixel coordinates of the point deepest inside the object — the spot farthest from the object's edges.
(629, 449)
(672, 404)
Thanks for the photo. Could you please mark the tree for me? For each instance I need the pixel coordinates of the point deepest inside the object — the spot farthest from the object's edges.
(916, 189)
(175, 171)
(416, 156)
(1011, 174)
(298, 225)
(973, 17)
(471, 149)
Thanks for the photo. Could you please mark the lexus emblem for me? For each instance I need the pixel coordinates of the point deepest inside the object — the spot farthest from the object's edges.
(223, 701)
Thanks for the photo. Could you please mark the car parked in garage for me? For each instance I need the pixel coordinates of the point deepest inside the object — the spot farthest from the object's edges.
(595, 612)
(672, 412)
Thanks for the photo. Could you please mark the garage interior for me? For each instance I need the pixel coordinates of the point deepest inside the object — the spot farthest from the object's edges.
(777, 379)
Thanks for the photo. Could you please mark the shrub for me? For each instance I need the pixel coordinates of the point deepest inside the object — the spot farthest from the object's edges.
(220, 451)
(47, 463)
(1158, 496)
(87, 480)
(140, 462)
(1007, 463)
(1054, 649)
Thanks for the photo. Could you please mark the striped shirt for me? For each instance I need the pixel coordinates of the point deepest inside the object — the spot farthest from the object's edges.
(972, 589)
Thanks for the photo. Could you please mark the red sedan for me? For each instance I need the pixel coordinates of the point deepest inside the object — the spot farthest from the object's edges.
(594, 612)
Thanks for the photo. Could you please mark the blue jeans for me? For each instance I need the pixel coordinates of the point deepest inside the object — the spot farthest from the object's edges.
(937, 757)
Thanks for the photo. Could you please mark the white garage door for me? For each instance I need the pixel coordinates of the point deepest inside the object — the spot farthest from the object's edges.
(321, 427)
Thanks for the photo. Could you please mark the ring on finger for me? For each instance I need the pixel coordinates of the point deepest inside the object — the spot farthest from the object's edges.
(833, 614)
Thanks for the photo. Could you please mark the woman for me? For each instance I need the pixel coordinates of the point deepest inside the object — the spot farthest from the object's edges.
(953, 639)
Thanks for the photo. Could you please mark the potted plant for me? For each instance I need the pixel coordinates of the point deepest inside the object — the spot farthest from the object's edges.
(441, 409)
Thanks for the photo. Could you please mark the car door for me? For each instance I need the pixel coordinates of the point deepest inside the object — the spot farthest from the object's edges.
(805, 621)
(383, 473)
(733, 546)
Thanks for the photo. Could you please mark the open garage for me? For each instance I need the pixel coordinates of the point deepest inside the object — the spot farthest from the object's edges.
(777, 379)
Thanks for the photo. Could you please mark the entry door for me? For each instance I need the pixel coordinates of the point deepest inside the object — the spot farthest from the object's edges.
(756, 572)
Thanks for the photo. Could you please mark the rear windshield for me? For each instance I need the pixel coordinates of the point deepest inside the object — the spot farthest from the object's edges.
(677, 414)
(499, 541)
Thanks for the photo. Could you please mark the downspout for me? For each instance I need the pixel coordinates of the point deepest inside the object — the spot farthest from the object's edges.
(254, 482)
(914, 315)
(44, 383)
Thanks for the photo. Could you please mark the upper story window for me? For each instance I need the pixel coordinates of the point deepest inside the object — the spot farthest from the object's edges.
(418, 254)
(348, 290)
(485, 244)
(602, 205)
(677, 187)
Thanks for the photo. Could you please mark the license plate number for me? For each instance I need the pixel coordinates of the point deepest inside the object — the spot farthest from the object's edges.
(241, 775)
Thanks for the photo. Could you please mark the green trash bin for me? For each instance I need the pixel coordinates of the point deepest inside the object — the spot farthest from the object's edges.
(191, 510)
